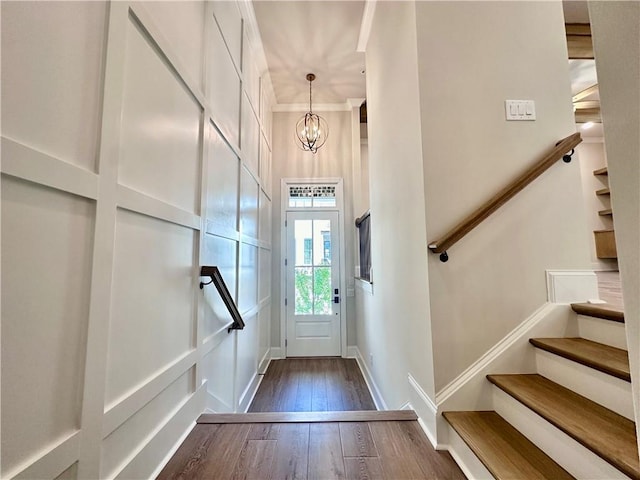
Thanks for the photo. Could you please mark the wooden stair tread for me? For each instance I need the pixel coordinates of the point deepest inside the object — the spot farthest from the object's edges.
(603, 191)
(601, 171)
(505, 452)
(607, 434)
(605, 212)
(599, 310)
(606, 359)
(310, 417)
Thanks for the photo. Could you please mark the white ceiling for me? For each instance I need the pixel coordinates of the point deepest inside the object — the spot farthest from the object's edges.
(320, 37)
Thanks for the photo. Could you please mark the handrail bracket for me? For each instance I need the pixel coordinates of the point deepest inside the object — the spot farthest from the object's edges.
(216, 278)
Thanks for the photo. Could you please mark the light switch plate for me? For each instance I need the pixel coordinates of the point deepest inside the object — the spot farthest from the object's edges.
(520, 110)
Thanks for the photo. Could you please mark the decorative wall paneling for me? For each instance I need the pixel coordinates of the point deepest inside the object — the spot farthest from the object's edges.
(111, 200)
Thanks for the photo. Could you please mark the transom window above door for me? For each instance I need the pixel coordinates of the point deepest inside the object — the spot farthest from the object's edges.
(310, 196)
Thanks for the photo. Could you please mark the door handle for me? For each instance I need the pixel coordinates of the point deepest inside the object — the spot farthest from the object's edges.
(336, 299)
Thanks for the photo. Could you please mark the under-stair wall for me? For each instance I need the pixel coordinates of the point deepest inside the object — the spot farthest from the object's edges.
(135, 147)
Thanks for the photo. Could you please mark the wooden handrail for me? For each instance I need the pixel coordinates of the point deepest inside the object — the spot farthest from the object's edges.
(218, 281)
(474, 219)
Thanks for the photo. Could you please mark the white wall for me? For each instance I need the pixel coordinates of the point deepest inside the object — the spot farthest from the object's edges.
(472, 57)
(394, 332)
(333, 160)
(135, 148)
(616, 40)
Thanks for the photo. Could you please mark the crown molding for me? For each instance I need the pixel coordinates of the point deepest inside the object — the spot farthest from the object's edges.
(319, 107)
(365, 26)
(355, 102)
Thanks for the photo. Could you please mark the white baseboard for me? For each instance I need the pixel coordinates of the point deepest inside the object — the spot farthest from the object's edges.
(570, 286)
(215, 404)
(173, 450)
(425, 408)
(263, 364)
(368, 378)
(277, 353)
(249, 392)
(177, 426)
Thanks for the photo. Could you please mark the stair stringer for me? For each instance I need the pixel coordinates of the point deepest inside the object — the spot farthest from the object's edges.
(513, 354)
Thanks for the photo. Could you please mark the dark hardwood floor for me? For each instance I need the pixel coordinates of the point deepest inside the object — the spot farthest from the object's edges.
(335, 433)
(312, 385)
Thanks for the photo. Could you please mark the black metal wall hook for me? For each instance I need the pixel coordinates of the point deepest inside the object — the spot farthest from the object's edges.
(567, 157)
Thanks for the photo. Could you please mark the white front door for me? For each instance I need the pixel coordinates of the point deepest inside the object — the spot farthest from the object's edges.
(313, 282)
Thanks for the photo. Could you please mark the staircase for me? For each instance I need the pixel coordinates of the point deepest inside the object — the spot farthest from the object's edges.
(574, 418)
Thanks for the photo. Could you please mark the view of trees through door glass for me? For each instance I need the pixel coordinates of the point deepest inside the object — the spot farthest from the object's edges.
(313, 267)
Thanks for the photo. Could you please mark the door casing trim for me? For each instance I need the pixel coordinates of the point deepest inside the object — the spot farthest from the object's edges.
(284, 208)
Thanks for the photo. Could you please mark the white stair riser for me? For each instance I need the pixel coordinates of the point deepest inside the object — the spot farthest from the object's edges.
(602, 331)
(610, 392)
(468, 462)
(569, 454)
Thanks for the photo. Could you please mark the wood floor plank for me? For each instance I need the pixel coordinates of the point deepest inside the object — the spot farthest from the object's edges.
(256, 460)
(505, 452)
(292, 455)
(263, 431)
(434, 464)
(395, 462)
(357, 440)
(226, 441)
(325, 452)
(334, 385)
(304, 390)
(604, 358)
(310, 417)
(609, 435)
(189, 459)
(318, 389)
(365, 400)
(364, 468)
(312, 384)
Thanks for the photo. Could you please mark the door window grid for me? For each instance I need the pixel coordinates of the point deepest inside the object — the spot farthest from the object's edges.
(312, 276)
(309, 196)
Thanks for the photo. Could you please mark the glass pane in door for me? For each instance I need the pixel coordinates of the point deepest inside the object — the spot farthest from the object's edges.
(322, 290)
(312, 268)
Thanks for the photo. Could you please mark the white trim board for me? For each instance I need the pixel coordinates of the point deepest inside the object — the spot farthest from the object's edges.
(365, 26)
(304, 107)
(368, 378)
(571, 286)
(513, 354)
(284, 208)
(425, 408)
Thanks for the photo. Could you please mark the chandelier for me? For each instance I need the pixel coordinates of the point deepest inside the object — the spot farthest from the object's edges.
(311, 130)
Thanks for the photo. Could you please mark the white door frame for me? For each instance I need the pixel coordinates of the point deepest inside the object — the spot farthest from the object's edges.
(284, 207)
